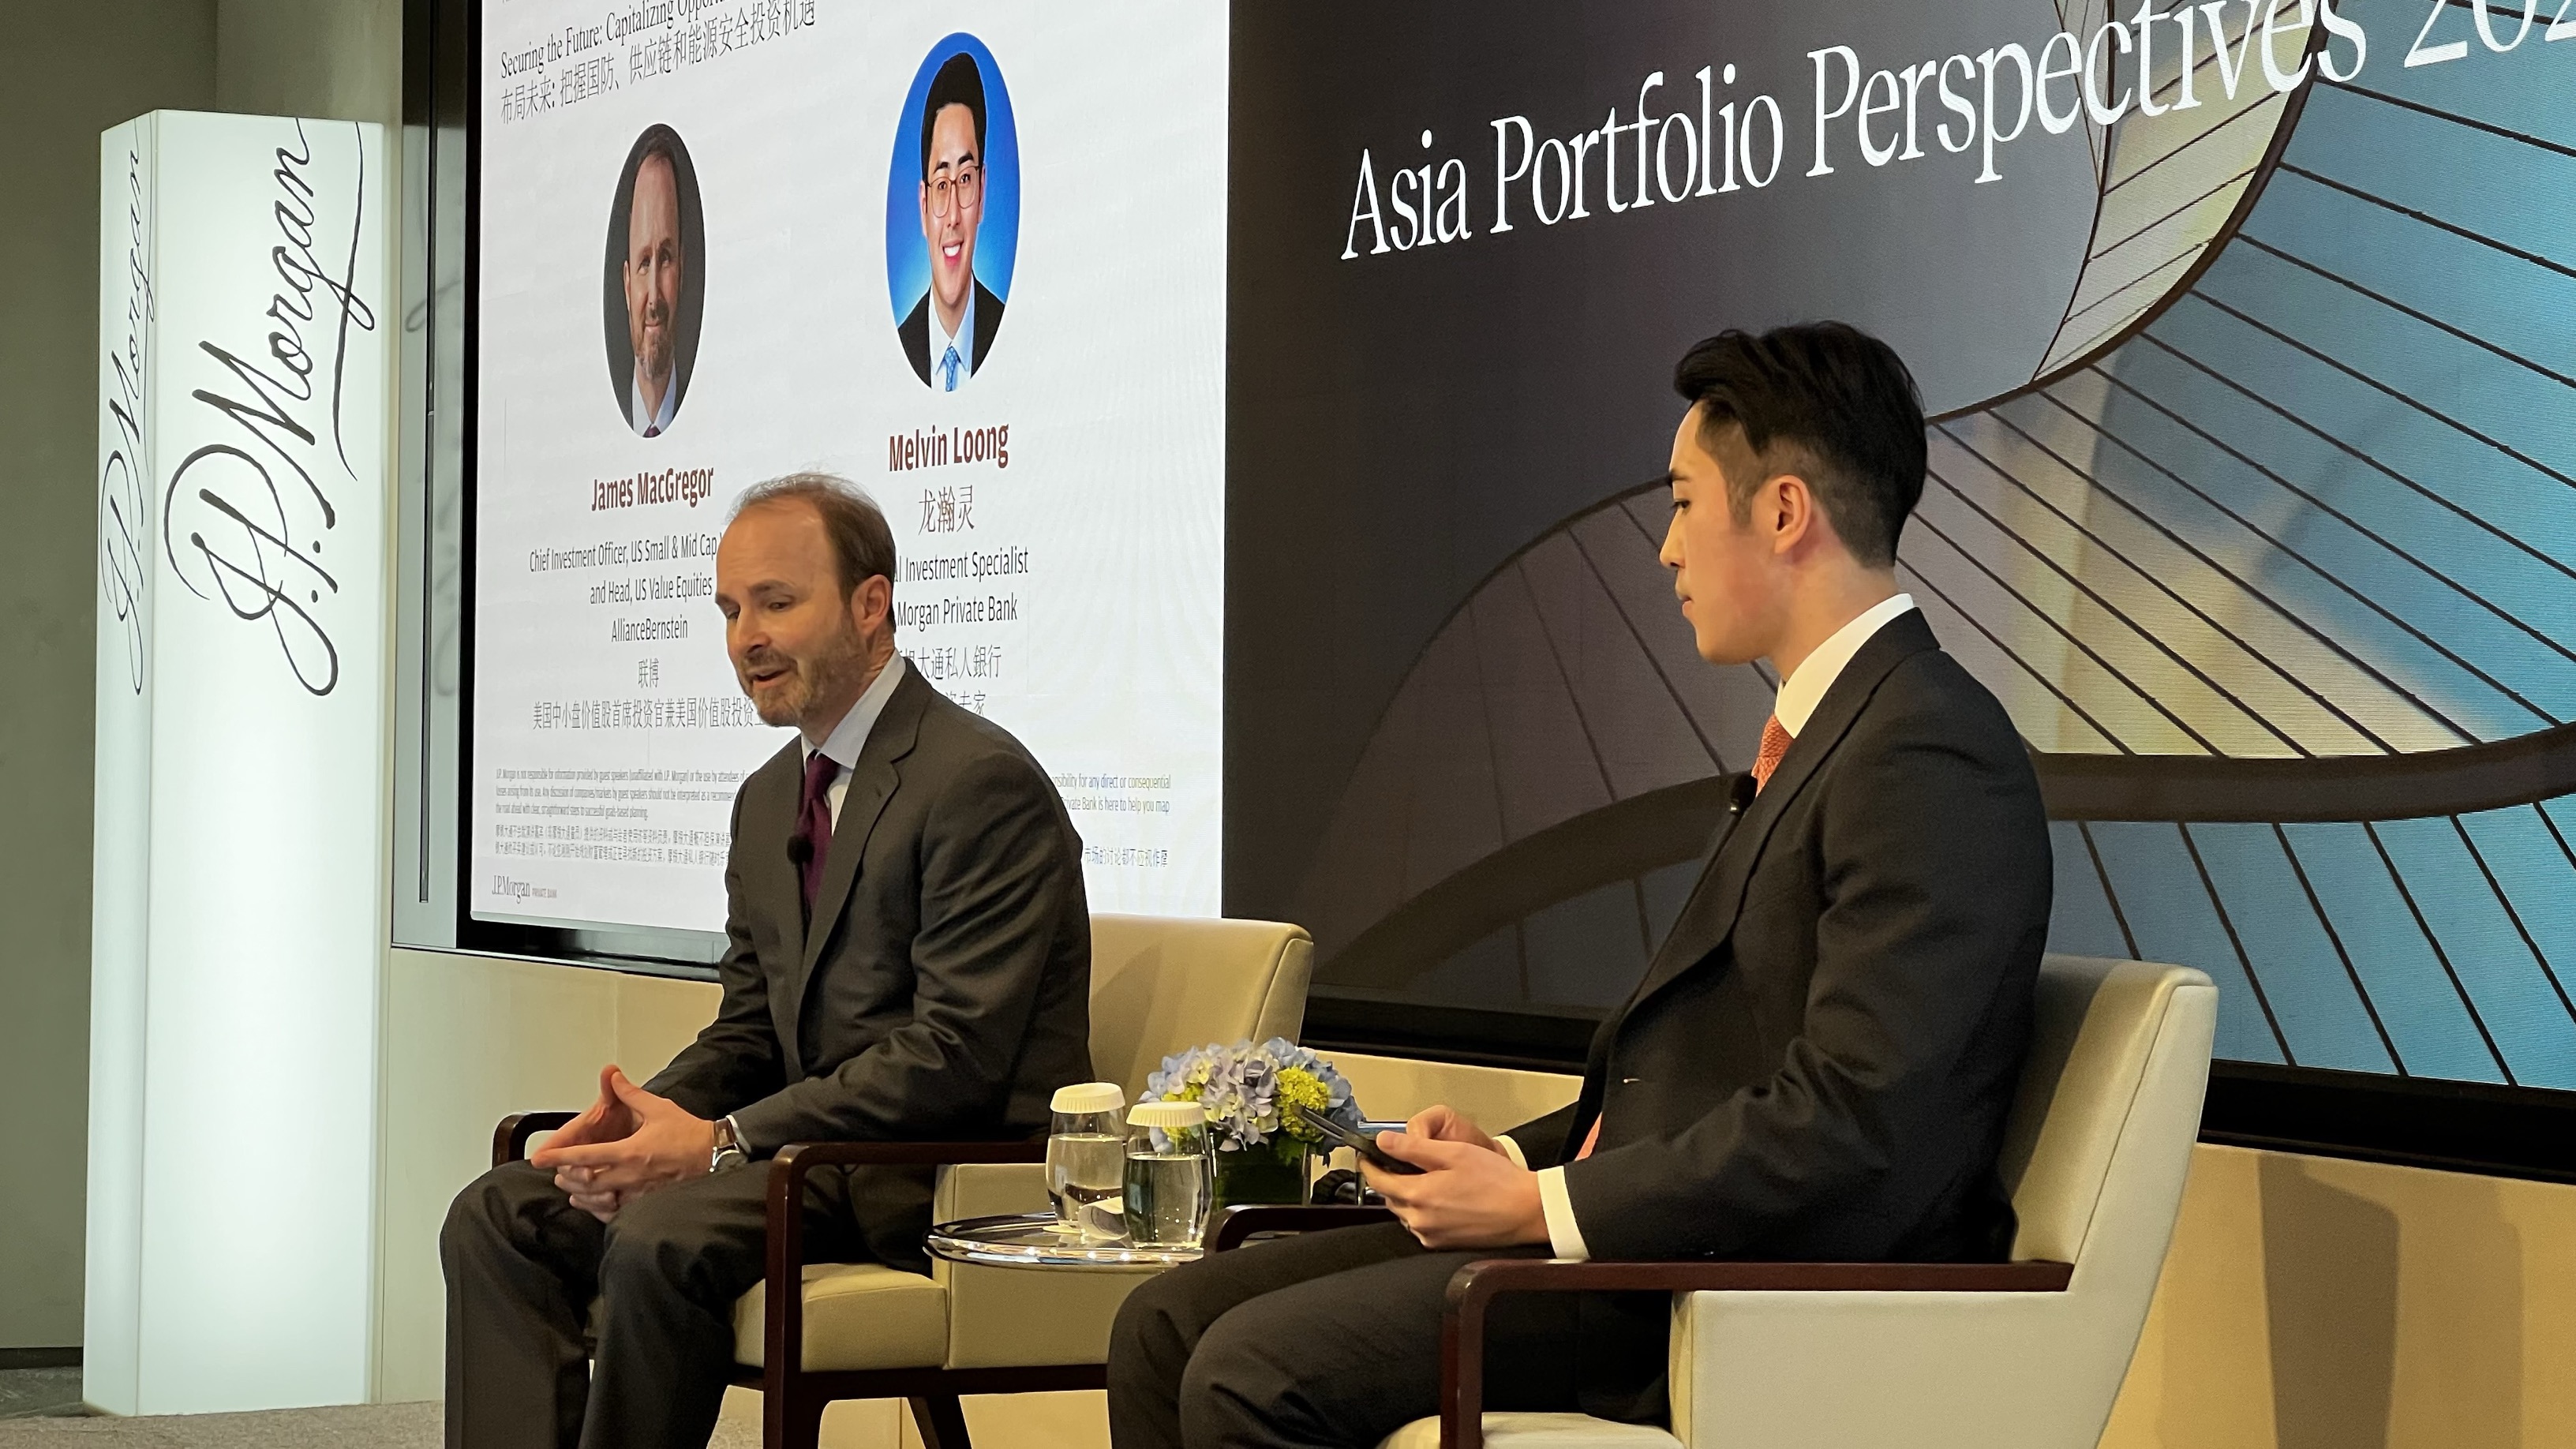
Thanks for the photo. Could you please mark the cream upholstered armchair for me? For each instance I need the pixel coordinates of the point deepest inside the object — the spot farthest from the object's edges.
(2021, 1355)
(1158, 985)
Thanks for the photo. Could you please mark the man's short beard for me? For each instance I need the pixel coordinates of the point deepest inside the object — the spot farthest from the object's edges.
(827, 675)
(655, 361)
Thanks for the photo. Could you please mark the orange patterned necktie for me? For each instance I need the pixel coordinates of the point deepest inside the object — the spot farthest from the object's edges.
(1775, 744)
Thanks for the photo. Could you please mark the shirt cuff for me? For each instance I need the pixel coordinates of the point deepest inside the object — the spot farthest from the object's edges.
(1513, 1151)
(1564, 1235)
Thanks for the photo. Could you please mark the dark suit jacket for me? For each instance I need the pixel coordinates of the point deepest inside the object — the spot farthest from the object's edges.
(915, 332)
(1818, 1061)
(943, 991)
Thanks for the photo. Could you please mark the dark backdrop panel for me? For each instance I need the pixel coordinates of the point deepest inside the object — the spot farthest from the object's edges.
(2253, 494)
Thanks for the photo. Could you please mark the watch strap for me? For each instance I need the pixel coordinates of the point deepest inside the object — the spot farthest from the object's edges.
(729, 1150)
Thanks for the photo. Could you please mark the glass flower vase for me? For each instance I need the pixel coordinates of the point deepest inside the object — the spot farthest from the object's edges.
(1261, 1176)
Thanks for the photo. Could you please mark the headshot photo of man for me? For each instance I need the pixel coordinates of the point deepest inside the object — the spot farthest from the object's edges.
(654, 237)
(950, 331)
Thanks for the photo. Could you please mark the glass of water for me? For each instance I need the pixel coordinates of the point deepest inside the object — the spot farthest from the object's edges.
(1086, 1152)
(1170, 1174)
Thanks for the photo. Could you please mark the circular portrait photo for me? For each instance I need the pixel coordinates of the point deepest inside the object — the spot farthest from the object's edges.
(654, 291)
(952, 213)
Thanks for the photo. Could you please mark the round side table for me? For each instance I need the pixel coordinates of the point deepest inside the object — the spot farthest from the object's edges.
(1032, 1240)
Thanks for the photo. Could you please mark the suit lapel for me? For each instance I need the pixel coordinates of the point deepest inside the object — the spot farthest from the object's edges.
(769, 816)
(1740, 799)
(988, 321)
(872, 783)
(1709, 916)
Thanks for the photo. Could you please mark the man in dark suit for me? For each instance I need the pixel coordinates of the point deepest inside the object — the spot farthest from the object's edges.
(909, 957)
(949, 333)
(1819, 1059)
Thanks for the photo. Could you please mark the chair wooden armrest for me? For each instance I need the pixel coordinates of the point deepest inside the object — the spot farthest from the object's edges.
(782, 1329)
(510, 1139)
(1473, 1288)
(1239, 1224)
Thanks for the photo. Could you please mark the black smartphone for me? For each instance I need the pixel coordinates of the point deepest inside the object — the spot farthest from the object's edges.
(1363, 1143)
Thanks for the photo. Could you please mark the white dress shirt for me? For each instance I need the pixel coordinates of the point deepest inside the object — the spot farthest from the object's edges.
(963, 339)
(1796, 703)
(850, 736)
(660, 422)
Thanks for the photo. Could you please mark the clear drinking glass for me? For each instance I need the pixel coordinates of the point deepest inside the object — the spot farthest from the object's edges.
(1086, 1153)
(1170, 1174)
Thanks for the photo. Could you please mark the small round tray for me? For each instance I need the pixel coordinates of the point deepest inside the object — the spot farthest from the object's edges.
(1033, 1240)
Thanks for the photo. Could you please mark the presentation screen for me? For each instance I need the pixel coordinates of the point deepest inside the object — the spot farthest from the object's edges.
(2251, 494)
(973, 263)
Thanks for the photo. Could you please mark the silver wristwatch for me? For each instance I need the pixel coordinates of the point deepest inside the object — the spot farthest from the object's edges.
(728, 1151)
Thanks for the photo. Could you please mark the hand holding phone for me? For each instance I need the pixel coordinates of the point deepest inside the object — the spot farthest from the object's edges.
(1363, 1143)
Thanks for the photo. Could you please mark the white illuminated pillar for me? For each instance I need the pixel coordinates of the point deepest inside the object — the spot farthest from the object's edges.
(240, 889)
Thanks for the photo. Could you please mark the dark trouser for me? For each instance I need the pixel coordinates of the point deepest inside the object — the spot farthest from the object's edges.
(523, 1265)
(1329, 1339)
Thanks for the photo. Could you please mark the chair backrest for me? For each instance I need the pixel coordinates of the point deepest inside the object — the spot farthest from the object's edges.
(2110, 1100)
(2099, 1144)
(1163, 984)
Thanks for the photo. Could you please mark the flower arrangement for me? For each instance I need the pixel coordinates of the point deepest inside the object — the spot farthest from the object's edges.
(1246, 1090)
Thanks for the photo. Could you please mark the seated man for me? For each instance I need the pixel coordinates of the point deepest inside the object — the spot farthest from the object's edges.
(910, 957)
(1819, 1059)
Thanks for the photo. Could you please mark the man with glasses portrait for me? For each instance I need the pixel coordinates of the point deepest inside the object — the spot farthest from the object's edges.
(948, 334)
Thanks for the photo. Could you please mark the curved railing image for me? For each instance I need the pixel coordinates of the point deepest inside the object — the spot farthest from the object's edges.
(2274, 562)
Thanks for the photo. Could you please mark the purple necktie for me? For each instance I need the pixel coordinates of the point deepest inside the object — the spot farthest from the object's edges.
(813, 835)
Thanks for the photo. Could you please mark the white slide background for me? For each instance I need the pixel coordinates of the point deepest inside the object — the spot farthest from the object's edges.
(604, 770)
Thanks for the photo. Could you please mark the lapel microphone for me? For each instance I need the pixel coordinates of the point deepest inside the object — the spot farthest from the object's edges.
(1740, 790)
(800, 850)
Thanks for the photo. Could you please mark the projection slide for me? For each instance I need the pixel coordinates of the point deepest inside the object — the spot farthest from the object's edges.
(967, 257)
(2246, 332)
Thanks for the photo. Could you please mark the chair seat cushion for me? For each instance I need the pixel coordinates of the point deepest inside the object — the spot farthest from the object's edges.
(1541, 1431)
(857, 1316)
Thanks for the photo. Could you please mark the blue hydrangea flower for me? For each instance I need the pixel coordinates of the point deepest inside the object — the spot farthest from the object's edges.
(1247, 1089)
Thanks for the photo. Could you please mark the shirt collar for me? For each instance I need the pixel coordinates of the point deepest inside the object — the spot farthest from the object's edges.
(851, 734)
(1805, 687)
(661, 419)
(964, 341)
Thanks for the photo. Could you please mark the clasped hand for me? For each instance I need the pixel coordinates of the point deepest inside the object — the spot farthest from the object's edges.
(629, 1142)
(1470, 1193)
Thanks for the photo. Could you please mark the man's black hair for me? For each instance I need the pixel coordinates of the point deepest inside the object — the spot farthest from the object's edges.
(1833, 393)
(959, 83)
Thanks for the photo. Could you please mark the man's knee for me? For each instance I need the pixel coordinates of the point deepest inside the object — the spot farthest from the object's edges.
(657, 1240)
(1234, 1370)
(1148, 1330)
(478, 1217)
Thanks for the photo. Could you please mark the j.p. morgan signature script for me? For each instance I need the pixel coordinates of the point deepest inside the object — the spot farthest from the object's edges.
(255, 508)
(124, 488)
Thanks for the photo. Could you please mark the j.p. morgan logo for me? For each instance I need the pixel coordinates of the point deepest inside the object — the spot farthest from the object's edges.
(245, 515)
(124, 489)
